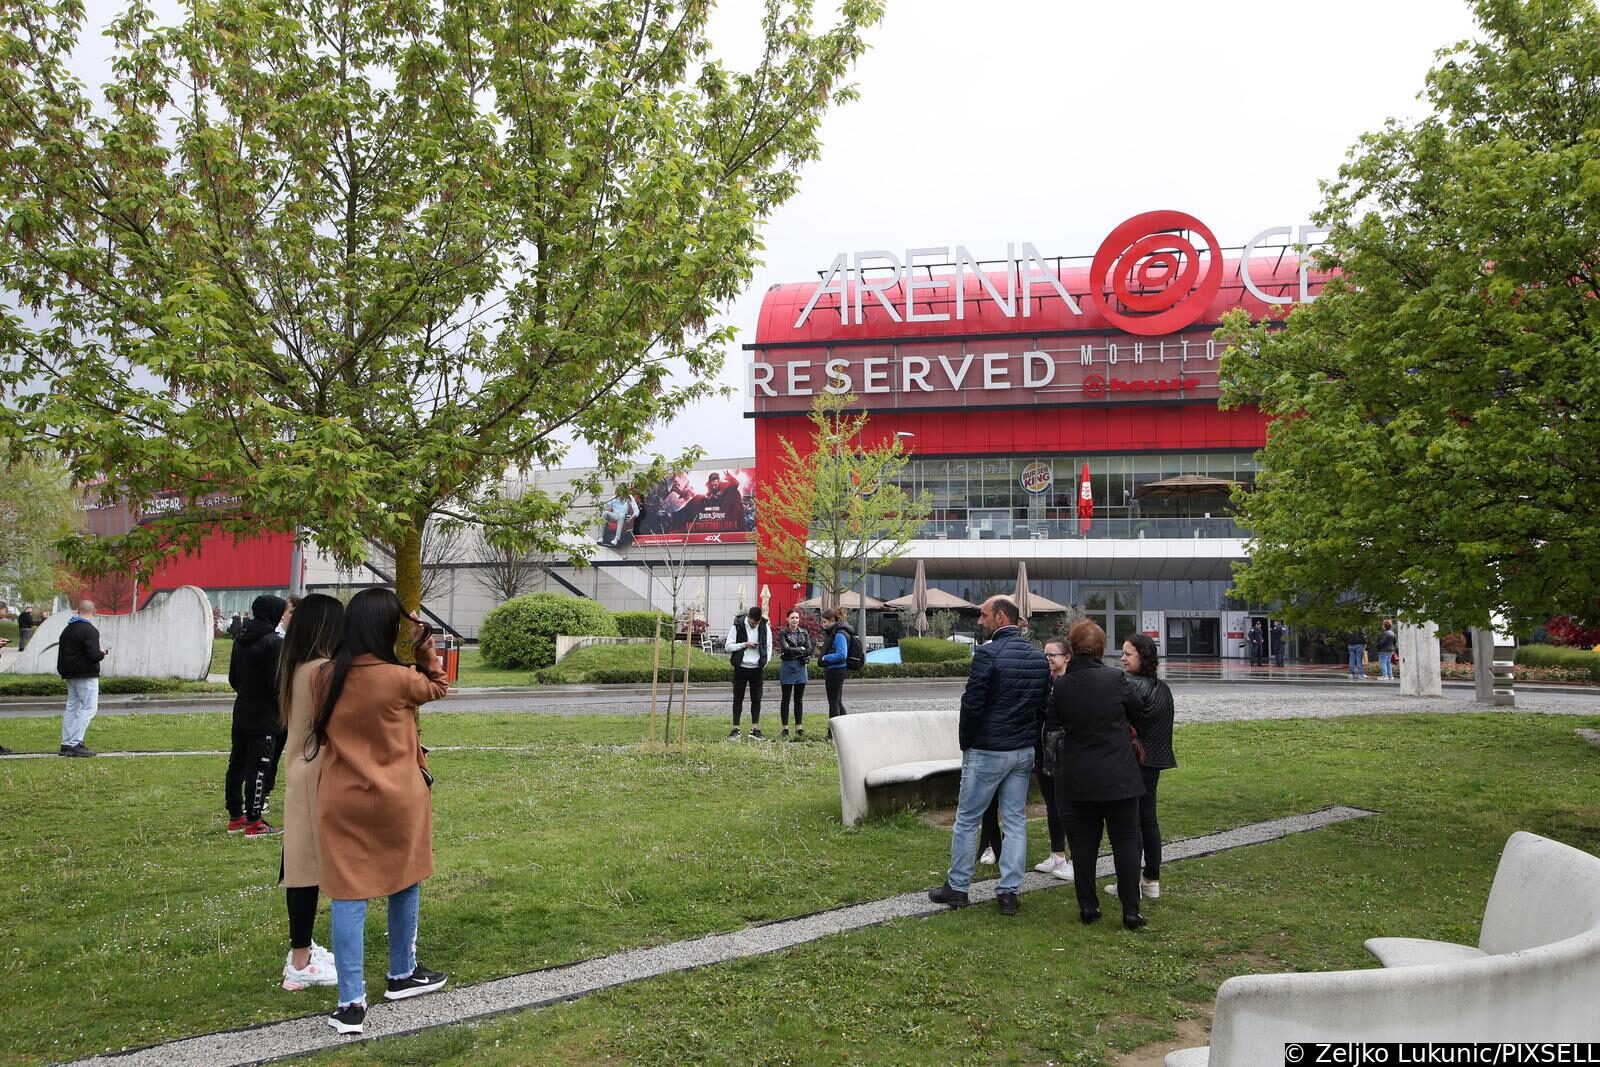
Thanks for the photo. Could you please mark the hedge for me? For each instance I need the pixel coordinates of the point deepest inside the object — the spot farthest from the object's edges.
(521, 633)
(933, 650)
(48, 685)
(1557, 656)
(641, 623)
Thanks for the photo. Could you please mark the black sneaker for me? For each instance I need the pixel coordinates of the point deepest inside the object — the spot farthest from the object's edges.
(66, 750)
(1007, 903)
(79, 749)
(733, 735)
(755, 734)
(799, 734)
(349, 1019)
(419, 982)
(945, 895)
(4, 751)
(782, 736)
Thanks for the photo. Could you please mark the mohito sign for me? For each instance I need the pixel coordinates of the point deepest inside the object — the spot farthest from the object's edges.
(1149, 277)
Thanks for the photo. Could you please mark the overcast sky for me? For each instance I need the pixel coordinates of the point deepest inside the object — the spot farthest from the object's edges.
(1051, 121)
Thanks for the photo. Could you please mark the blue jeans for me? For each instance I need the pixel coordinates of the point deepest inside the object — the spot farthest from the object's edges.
(1386, 662)
(983, 773)
(349, 941)
(1357, 654)
(83, 700)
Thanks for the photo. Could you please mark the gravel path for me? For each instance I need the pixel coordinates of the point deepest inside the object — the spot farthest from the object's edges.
(308, 1034)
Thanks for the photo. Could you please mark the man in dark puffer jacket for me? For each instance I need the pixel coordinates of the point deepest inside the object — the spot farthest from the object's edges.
(1001, 709)
(253, 673)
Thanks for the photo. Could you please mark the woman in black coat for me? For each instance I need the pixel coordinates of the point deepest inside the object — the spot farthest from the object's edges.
(1140, 659)
(1098, 779)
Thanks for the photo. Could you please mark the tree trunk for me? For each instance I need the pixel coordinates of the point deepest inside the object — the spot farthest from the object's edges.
(408, 584)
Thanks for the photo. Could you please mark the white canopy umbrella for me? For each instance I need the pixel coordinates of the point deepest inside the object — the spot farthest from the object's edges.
(1021, 599)
(849, 600)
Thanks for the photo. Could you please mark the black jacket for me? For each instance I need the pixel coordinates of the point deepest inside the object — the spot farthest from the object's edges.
(25, 621)
(79, 655)
(1094, 704)
(794, 644)
(1387, 642)
(253, 673)
(1003, 704)
(1156, 733)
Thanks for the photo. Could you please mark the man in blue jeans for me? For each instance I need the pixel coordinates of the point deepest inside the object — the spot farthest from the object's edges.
(1001, 709)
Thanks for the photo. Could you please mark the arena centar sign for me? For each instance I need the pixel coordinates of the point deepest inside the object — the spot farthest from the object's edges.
(1159, 280)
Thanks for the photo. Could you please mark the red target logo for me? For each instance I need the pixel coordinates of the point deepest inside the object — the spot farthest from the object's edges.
(1155, 273)
(1094, 386)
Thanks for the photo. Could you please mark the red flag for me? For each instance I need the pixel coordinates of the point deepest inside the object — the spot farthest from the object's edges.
(1085, 502)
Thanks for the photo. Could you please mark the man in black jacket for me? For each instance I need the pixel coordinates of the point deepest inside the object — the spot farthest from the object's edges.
(1001, 709)
(25, 626)
(253, 673)
(78, 656)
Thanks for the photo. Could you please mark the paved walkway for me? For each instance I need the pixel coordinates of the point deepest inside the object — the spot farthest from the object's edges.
(308, 1034)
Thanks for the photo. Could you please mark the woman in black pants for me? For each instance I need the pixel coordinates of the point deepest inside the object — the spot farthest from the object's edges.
(1139, 660)
(835, 655)
(794, 650)
(1057, 863)
(1099, 777)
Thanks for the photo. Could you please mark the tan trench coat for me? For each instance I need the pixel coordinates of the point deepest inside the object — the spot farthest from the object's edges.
(374, 811)
(300, 866)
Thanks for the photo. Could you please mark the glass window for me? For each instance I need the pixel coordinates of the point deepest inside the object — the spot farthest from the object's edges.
(1127, 599)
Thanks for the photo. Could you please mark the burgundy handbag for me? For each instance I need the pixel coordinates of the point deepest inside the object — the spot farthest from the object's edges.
(1138, 745)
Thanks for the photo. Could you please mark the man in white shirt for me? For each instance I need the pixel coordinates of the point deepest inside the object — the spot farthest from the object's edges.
(749, 648)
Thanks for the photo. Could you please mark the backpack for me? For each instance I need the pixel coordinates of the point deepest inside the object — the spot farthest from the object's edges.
(855, 656)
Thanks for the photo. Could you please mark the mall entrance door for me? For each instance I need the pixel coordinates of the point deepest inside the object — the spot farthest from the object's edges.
(1193, 637)
(1117, 611)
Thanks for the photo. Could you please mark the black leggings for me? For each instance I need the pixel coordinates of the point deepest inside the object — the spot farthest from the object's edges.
(990, 836)
(833, 685)
(1052, 807)
(797, 690)
(1121, 819)
(1149, 829)
(302, 901)
(250, 765)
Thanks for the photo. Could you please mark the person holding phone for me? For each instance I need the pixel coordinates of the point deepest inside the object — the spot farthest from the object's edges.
(374, 805)
(749, 648)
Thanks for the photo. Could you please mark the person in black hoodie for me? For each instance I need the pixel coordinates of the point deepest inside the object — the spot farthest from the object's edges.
(253, 673)
(78, 656)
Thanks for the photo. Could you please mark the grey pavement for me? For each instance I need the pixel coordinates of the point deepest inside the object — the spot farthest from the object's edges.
(308, 1034)
(1197, 701)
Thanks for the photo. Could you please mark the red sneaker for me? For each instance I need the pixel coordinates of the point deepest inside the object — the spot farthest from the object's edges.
(236, 826)
(261, 828)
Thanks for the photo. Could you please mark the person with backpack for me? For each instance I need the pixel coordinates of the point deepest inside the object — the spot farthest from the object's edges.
(749, 648)
(843, 653)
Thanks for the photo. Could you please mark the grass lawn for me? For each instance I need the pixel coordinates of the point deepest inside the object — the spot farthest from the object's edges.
(475, 674)
(133, 917)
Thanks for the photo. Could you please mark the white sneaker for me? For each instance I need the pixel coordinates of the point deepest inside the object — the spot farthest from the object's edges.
(316, 972)
(323, 956)
(1149, 890)
(987, 857)
(1050, 863)
(1064, 872)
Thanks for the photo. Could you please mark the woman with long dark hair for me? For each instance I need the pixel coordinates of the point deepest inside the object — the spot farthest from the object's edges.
(1140, 660)
(309, 641)
(374, 808)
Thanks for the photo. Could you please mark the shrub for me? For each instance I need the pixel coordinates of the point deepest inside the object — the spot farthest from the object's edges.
(933, 650)
(642, 623)
(1453, 643)
(1553, 656)
(521, 634)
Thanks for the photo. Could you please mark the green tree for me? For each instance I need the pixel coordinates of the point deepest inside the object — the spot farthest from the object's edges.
(834, 513)
(338, 267)
(38, 507)
(1437, 408)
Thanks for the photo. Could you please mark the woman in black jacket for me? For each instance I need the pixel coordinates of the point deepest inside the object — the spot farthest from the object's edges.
(1099, 780)
(253, 673)
(1140, 660)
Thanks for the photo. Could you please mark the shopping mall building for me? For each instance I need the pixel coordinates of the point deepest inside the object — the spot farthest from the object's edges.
(1009, 379)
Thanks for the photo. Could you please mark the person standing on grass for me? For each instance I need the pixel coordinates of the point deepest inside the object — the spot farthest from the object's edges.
(835, 659)
(78, 657)
(1387, 645)
(1098, 779)
(794, 653)
(1001, 709)
(25, 627)
(253, 674)
(1140, 661)
(374, 804)
(1056, 864)
(310, 643)
(749, 648)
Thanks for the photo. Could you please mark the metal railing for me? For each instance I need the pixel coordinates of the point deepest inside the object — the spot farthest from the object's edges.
(1072, 530)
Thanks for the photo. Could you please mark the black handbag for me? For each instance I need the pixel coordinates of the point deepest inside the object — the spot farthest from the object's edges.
(1052, 749)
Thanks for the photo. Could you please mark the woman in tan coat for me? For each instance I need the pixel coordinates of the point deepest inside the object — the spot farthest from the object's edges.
(311, 638)
(374, 809)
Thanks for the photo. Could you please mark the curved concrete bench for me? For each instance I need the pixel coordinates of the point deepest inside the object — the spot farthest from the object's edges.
(888, 759)
(1535, 975)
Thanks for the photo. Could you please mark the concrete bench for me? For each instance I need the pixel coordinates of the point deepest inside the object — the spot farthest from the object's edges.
(1534, 976)
(889, 759)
